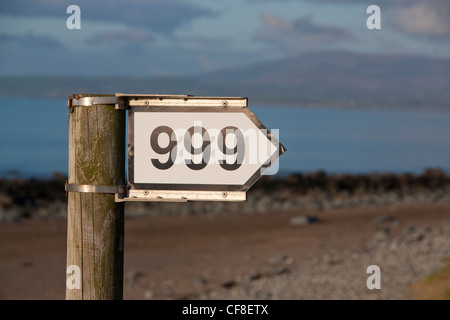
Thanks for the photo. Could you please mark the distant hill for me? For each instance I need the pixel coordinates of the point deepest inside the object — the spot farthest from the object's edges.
(323, 78)
(343, 78)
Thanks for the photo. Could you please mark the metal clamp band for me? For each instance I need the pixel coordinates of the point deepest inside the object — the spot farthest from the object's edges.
(90, 101)
(95, 189)
(120, 103)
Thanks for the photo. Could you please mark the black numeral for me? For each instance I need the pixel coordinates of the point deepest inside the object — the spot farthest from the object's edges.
(238, 149)
(170, 149)
(205, 149)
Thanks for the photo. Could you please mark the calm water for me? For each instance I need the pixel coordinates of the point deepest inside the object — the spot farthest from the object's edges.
(34, 135)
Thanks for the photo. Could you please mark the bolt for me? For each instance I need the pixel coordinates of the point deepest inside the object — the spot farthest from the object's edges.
(146, 192)
(225, 103)
(147, 102)
(224, 194)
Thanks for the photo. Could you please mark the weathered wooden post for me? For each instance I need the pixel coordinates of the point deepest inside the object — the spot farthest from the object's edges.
(95, 226)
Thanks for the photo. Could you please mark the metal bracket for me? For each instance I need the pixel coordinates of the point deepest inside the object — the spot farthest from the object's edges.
(162, 100)
(90, 101)
(120, 103)
(126, 101)
(181, 196)
(118, 190)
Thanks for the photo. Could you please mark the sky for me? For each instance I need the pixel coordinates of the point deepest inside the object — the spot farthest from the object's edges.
(186, 38)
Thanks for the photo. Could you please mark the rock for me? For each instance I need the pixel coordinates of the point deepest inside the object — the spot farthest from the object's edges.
(416, 237)
(254, 276)
(201, 281)
(409, 230)
(331, 260)
(394, 245)
(166, 287)
(397, 223)
(13, 215)
(280, 258)
(148, 294)
(6, 200)
(263, 295)
(132, 277)
(422, 233)
(229, 284)
(302, 220)
(282, 270)
(382, 234)
(383, 219)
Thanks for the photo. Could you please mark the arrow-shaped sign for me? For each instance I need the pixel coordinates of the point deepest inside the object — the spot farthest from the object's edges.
(195, 148)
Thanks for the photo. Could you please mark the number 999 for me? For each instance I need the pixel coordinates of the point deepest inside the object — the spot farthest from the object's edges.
(204, 149)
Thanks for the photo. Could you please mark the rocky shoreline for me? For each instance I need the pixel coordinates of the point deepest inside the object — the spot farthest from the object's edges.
(405, 258)
(316, 191)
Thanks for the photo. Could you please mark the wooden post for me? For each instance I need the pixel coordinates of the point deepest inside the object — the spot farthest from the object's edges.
(95, 226)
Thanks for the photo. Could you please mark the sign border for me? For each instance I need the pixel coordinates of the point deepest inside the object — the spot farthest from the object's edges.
(222, 106)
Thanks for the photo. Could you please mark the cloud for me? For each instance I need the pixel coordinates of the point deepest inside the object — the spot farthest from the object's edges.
(259, 1)
(430, 19)
(291, 33)
(361, 2)
(334, 2)
(207, 41)
(131, 35)
(31, 40)
(163, 16)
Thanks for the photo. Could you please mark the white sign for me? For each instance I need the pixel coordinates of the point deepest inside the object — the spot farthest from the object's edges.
(195, 148)
(213, 146)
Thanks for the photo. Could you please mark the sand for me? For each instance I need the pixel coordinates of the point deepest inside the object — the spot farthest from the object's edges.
(236, 256)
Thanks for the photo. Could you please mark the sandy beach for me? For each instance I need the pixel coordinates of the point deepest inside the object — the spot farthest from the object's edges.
(234, 256)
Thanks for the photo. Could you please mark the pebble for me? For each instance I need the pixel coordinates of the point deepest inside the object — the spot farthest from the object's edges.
(382, 234)
(132, 277)
(201, 281)
(280, 258)
(383, 219)
(409, 230)
(149, 294)
(302, 220)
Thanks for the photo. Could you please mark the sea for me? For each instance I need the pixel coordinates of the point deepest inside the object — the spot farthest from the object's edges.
(34, 138)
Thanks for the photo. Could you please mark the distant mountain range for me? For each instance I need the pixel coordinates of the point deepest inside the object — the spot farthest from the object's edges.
(322, 78)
